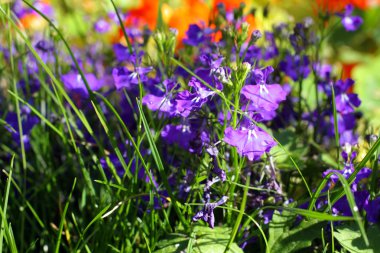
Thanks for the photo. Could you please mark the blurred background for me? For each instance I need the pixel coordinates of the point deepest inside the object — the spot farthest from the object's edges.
(356, 53)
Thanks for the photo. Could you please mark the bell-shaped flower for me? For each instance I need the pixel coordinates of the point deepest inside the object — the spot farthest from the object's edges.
(264, 96)
(349, 22)
(251, 142)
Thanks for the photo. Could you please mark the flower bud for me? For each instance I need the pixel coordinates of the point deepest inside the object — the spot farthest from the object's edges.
(256, 34)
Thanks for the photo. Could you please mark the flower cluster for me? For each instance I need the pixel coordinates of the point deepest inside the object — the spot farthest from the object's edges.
(171, 121)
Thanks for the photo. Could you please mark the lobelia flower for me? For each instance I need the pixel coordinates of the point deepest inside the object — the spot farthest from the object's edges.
(28, 121)
(160, 103)
(295, 66)
(102, 26)
(348, 137)
(342, 86)
(323, 71)
(196, 35)
(263, 96)
(186, 136)
(213, 74)
(271, 50)
(125, 78)
(202, 90)
(45, 50)
(252, 53)
(258, 115)
(345, 122)
(302, 37)
(217, 170)
(181, 104)
(373, 210)
(250, 141)
(348, 170)
(122, 54)
(75, 85)
(345, 101)
(207, 213)
(30, 85)
(349, 22)
(341, 207)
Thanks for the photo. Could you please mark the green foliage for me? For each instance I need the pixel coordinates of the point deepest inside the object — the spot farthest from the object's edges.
(202, 240)
(348, 235)
(284, 238)
(58, 194)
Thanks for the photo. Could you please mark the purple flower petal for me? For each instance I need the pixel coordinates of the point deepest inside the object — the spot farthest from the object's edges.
(264, 97)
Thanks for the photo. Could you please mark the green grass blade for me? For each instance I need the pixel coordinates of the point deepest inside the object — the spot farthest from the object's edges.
(63, 218)
(160, 166)
(38, 219)
(96, 218)
(358, 167)
(122, 27)
(350, 199)
(38, 114)
(336, 131)
(5, 203)
(240, 215)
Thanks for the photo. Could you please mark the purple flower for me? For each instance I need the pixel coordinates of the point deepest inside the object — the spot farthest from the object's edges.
(271, 50)
(45, 50)
(218, 171)
(323, 71)
(202, 90)
(252, 53)
(342, 86)
(302, 36)
(348, 170)
(102, 26)
(161, 103)
(346, 103)
(251, 142)
(345, 122)
(267, 215)
(295, 66)
(122, 54)
(188, 136)
(348, 137)
(373, 210)
(341, 207)
(125, 78)
(349, 22)
(28, 122)
(74, 83)
(264, 97)
(258, 115)
(30, 85)
(195, 35)
(207, 213)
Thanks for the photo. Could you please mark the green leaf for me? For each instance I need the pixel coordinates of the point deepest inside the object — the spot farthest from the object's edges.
(291, 145)
(350, 238)
(206, 240)
(282, 239)
(279, 225)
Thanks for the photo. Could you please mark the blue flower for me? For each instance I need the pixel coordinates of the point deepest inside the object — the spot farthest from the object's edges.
(251, 142)
(349, 22)
(207, 213)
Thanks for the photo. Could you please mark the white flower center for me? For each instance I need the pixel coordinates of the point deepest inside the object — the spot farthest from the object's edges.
(186, 128)
(251, 133)
(263, 89)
